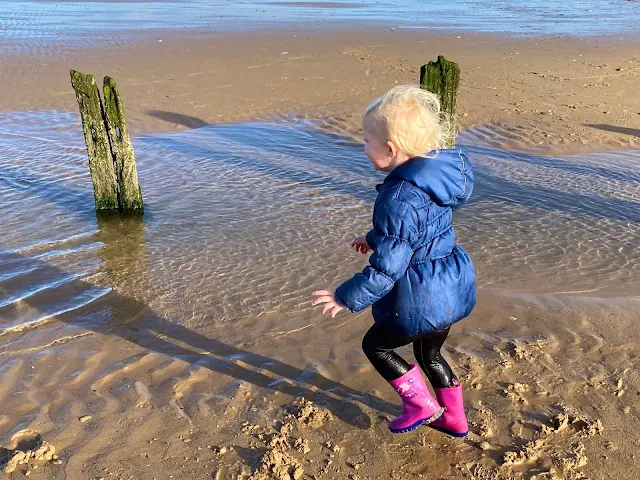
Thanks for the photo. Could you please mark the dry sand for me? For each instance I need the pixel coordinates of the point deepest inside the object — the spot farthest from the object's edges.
(551, 381)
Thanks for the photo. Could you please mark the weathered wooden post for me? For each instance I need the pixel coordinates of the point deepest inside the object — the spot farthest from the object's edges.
(103, 175)
(443, 78)
(111, 159)
(129, 195)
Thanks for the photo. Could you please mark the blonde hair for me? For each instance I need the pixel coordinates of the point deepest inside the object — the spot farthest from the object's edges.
(411, 118)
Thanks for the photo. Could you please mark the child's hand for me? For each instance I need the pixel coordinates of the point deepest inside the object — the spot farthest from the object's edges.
(361, 245)
(326, 297)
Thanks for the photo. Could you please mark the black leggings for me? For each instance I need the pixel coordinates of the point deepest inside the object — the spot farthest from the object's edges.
(378, 345)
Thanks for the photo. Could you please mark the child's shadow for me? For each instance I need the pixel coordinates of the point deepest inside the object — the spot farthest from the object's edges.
(148, 330)
(135, 322)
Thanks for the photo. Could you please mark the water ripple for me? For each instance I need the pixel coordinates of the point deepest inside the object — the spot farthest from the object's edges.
(32, 27)
(245, 220)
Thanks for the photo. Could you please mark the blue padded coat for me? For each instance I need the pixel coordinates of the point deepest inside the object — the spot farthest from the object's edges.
(418, 280)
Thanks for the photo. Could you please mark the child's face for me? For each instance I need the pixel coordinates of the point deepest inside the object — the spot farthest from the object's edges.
(381, 154)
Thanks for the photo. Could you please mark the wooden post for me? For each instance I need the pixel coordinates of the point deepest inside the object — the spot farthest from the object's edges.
(103, 175)
(130, 194)
(443, 78)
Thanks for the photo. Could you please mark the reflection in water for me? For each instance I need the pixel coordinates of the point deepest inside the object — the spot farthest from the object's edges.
(123, 254)
(243, 221)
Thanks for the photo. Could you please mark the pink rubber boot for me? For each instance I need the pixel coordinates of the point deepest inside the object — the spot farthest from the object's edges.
(419, 406)
(453, 421)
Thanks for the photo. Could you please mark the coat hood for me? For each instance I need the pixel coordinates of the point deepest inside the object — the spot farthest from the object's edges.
(446, 177)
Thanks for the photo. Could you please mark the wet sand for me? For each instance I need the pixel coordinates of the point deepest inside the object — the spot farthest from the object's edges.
(565, 93)
(153, 380)
(150, 399)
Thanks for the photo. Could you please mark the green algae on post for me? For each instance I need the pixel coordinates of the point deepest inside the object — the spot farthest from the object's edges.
(443, 78)
(130, 194)
(103, 174)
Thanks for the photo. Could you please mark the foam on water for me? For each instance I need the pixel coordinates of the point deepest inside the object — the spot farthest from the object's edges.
(246, 220)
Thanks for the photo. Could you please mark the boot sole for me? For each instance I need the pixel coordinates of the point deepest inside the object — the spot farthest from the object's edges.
(408, 429)
(447, 432)
(424, 421)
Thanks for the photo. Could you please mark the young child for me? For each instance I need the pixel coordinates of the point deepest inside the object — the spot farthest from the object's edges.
(419, 281)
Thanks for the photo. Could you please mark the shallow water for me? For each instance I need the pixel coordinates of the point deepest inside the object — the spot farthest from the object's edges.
(49, 25)
(244, 221)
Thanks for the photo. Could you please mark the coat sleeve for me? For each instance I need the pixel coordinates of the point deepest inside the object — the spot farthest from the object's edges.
(371, 239)
(395, 227)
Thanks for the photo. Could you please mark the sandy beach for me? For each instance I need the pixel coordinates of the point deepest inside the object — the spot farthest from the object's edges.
(207, 361)
(559, 93)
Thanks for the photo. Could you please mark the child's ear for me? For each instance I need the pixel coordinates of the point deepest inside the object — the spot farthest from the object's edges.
(392, 150)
